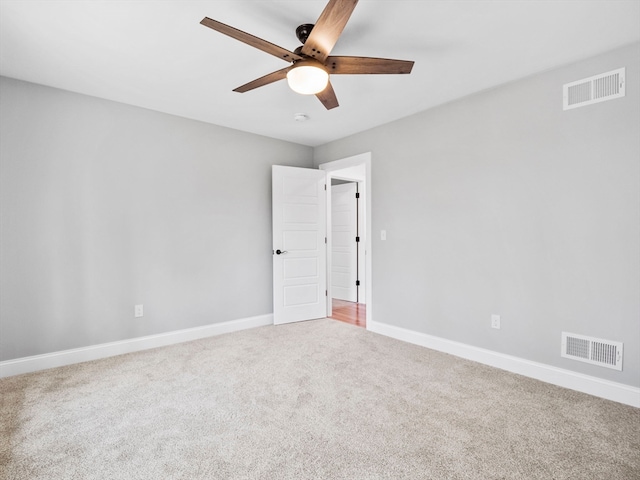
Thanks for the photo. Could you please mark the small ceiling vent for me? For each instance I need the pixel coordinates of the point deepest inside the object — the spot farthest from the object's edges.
(592, 350)
(598, 88)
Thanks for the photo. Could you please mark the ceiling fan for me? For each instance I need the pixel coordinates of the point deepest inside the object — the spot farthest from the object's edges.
(311, 63)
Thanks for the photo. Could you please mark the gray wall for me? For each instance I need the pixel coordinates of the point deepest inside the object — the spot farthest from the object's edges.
(105, 205)
(503, 203)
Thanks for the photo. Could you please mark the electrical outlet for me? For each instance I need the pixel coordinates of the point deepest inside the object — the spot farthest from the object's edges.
(138, 311)
(495, 321)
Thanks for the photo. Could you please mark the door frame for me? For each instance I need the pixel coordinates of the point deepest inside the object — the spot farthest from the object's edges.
(332, 169)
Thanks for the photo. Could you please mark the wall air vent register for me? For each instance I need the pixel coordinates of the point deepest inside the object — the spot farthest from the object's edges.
(592, 350)
(598, 88)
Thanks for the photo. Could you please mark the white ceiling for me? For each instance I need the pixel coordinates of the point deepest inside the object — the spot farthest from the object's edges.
(156, 55)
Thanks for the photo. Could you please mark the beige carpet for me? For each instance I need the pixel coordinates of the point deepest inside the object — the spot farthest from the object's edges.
(315, 400)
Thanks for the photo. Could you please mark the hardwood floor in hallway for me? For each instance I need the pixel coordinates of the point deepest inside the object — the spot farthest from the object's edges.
(349, 312)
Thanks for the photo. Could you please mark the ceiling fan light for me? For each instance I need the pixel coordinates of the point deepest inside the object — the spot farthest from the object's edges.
(307, 79)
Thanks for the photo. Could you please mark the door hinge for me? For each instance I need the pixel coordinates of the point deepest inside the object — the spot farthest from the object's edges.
(357, 194)
(325, 186)
(357, 239)
(325, 239)
(357, 283)
(326, 293)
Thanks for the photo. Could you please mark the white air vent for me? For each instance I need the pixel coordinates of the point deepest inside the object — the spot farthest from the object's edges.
(598, 88)
(592, 350)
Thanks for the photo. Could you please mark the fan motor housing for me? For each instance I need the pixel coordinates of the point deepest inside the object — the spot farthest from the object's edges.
(303, 31)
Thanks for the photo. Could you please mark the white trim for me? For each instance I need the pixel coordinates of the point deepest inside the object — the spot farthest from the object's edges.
(94, 352)
(329, 167)
(617, 392)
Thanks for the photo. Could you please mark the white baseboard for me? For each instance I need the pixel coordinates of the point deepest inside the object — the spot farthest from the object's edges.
(67, 357)
(617, 392)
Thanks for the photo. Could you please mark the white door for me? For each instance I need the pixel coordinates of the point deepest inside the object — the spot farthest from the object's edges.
(299, 244)
(344, 255)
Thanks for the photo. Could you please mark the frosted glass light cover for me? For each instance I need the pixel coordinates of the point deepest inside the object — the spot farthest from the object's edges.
(307, 79)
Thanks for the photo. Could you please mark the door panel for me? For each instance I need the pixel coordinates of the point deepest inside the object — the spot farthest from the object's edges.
(297, 295)
(300, 214)
(300, 267)
(299, 231)
(297, 240)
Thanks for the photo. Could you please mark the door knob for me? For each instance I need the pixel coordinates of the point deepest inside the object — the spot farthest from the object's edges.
(279, 252)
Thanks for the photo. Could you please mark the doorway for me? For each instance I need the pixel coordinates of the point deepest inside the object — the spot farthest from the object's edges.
(358, 310)
(352, 313)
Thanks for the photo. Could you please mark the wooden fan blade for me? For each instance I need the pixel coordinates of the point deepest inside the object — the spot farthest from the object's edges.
(249, 39)
(262, 81)
(328, 97)
(328, 28)
(366, 65)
